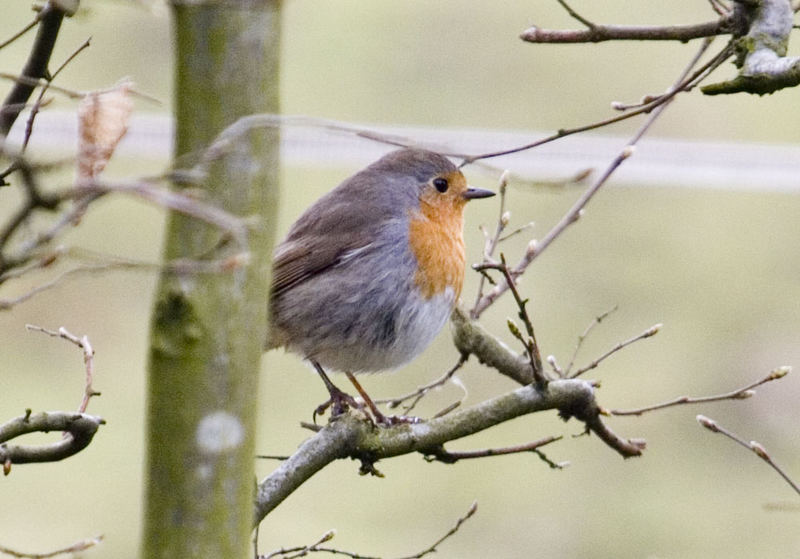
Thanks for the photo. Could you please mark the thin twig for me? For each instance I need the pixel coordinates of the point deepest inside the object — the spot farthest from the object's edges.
(530, 344)
(48, 82)
(738, 394)
(757, 448)
(77, 547)
(597, 320)
(432, 549)
(720, 7)
(176, 201)
(21, 32)
(576, 211)
(180, 266)
(517, 231)
(451, 457)
(421, 391)
(88, 358)
(302, 551)
(652, 331)
(576, 15)
(491, 242)
(684, 84)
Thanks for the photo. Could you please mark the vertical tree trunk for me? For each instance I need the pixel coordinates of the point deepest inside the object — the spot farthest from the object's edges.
(208, 329)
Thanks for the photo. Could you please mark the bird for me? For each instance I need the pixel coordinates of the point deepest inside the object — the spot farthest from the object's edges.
(369, 274)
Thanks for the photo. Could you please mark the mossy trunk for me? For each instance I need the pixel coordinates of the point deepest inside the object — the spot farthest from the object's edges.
(209, 321)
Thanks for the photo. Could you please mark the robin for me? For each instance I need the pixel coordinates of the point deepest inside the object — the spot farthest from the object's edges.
(370, 273)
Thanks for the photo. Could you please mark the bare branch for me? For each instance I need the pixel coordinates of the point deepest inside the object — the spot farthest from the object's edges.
(502, 221)
(595, 33)
(738, 394)
(43, 90)
(529, 343)
(597, 320)
(80, 429)
(88, 358)
(77, 547)
(599, 33)
(576, 211)
(471, 338)
(421, 391)
(233, 227)
(432, 549)
(451, 457)
(22, 31)
(355, 437)
(295, 552)
(652, 331)
(50, 19)
(688, 83)
(761, 54)
(754, 446)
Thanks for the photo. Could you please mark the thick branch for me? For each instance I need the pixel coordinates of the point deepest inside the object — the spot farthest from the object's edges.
(349, 436)
(470, 338)
(80, 429)
(354, 437)
(764, 66)
(36, 66)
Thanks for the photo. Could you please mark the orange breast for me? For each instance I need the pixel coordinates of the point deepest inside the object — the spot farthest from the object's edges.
(436, 239)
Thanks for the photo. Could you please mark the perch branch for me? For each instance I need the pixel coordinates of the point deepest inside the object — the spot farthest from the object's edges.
(354, 437)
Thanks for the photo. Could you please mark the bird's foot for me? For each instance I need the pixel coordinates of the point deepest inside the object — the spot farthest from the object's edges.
(339, 402)
(378, 416)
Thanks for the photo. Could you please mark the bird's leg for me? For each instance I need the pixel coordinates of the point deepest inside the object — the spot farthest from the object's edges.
(338, 401)
(380, 419)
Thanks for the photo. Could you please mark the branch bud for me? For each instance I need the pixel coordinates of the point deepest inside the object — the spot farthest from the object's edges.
(708, 423)
(653, 330)
(759, 450)
(780, 372)
(628, 151)
(503, 181)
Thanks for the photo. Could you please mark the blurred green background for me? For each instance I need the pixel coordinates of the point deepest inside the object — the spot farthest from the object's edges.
(719, 268)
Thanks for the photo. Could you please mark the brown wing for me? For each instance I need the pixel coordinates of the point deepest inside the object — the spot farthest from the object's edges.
(295, 262)
(320, 239)
(346, 219)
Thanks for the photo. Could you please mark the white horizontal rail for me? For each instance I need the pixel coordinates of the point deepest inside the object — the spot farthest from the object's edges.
(657, 162)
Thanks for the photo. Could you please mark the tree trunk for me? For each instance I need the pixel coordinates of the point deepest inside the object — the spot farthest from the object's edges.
(208, 328)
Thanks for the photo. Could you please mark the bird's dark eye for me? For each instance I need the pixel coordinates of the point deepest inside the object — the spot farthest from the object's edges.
(440, 184)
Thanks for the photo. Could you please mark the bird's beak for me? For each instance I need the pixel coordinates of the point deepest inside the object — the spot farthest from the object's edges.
(471, 193)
